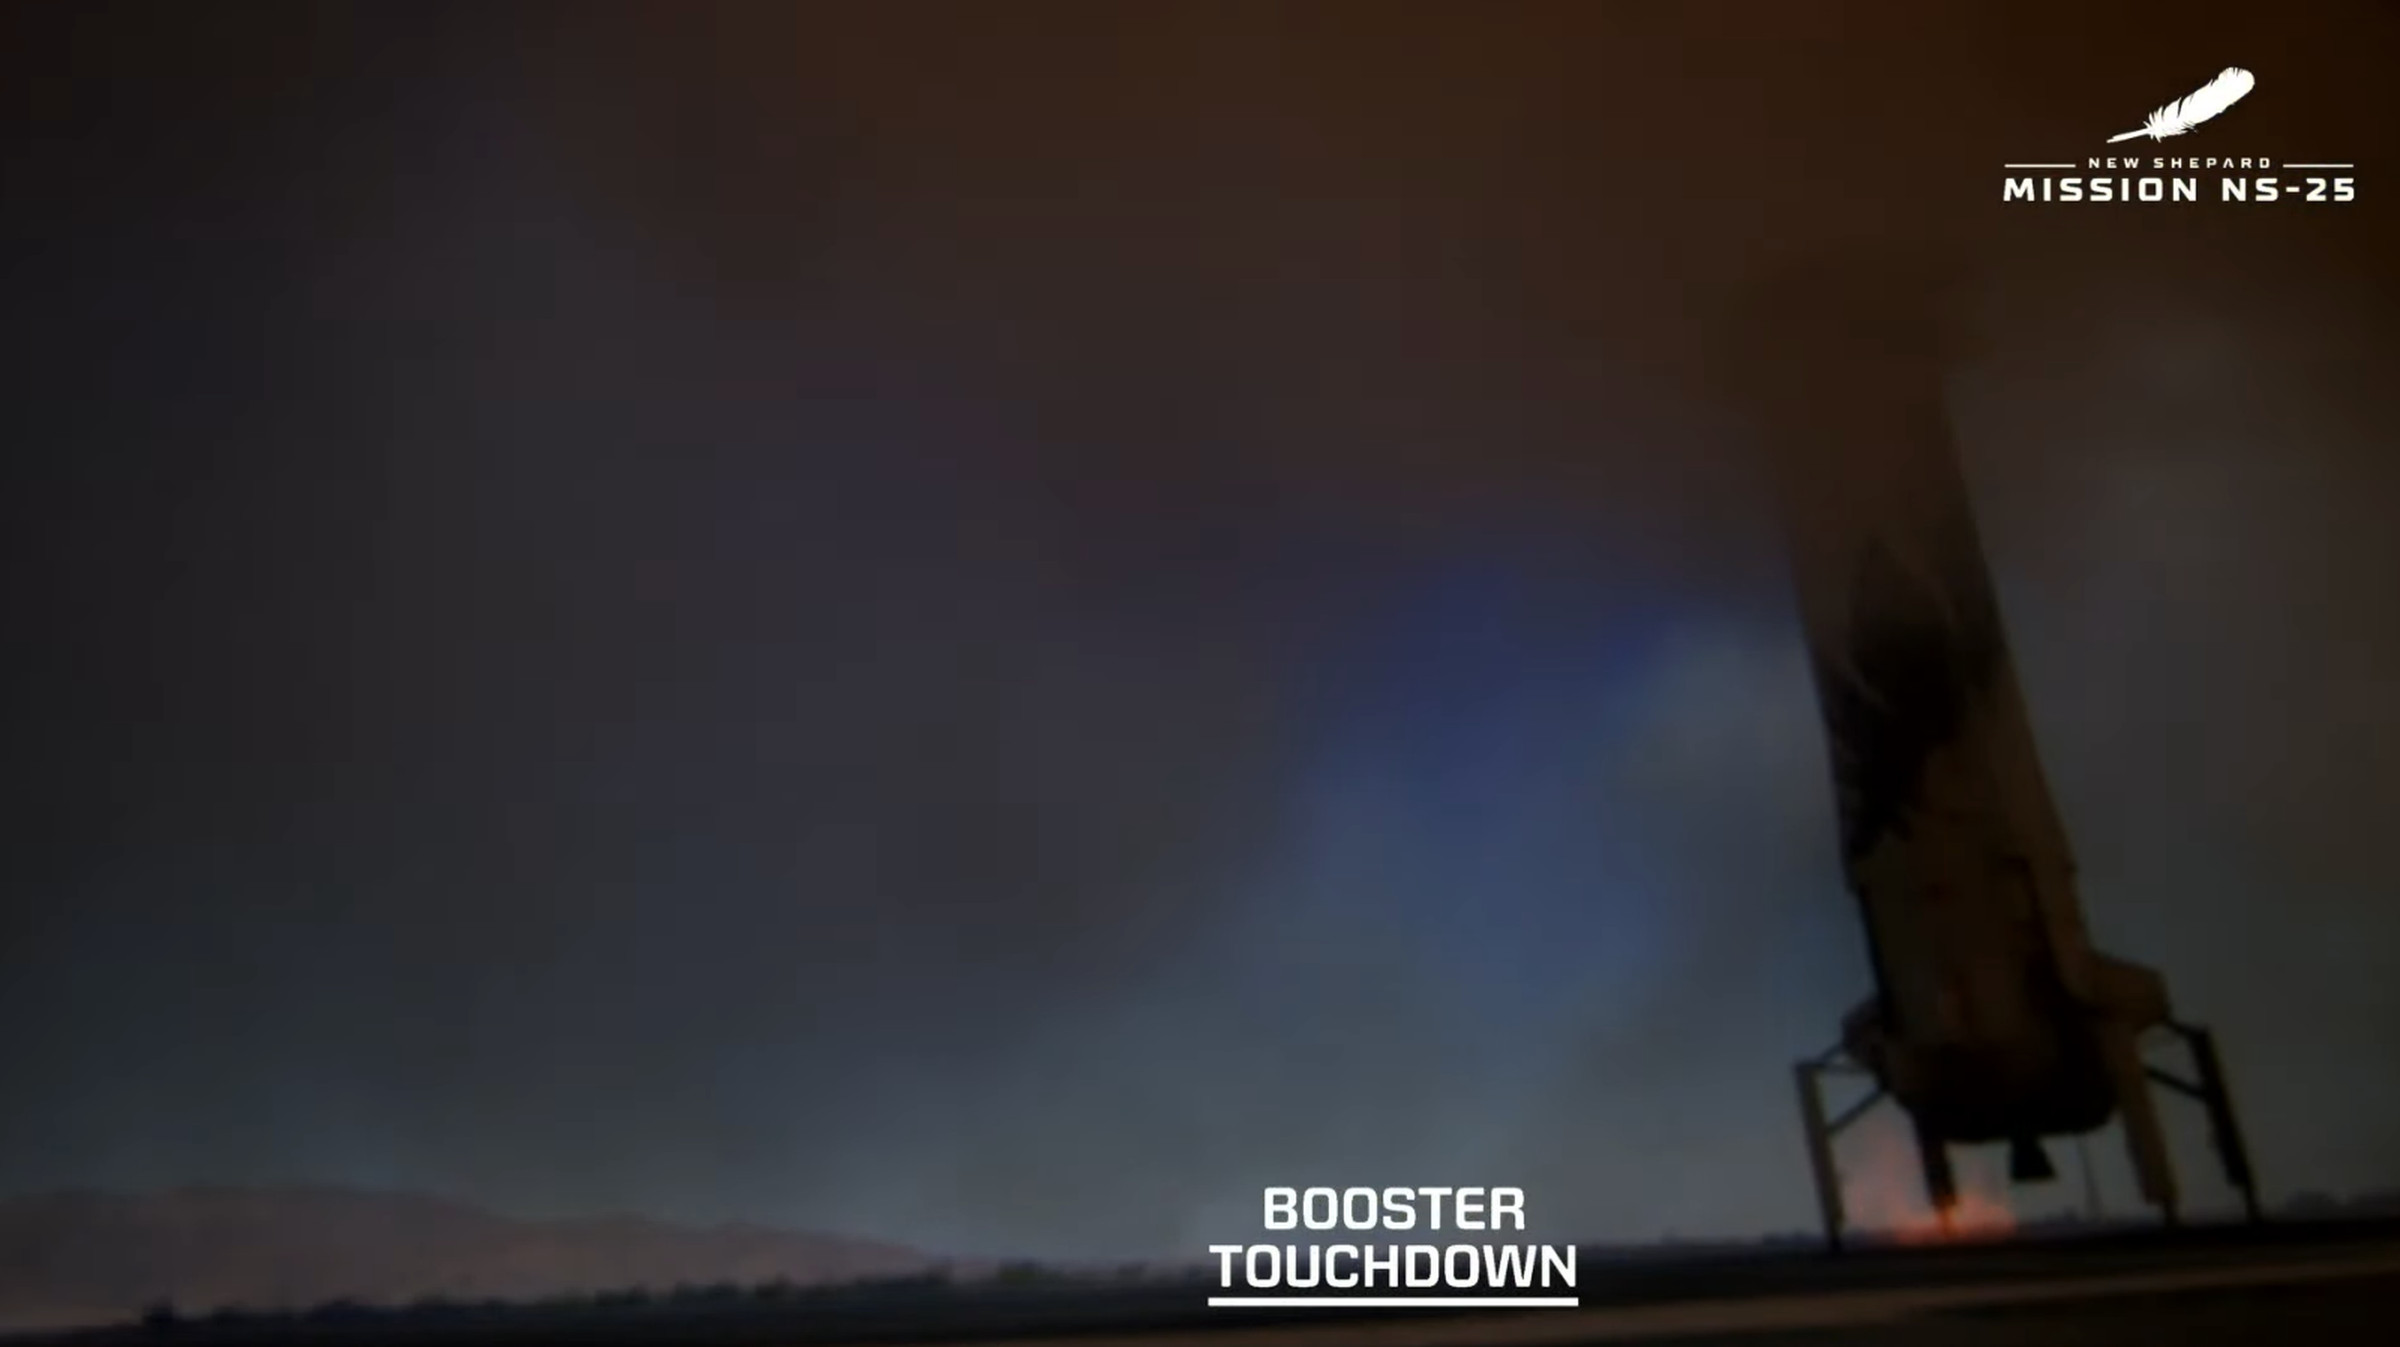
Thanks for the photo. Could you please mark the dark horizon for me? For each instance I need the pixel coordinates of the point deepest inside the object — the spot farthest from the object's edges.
(991, 632)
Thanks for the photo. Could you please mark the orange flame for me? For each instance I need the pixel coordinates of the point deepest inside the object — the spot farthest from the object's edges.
(1884, 1189)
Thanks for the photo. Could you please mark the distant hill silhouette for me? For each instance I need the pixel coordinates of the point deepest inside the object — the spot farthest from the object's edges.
(85, 1257)
(2384, 1202)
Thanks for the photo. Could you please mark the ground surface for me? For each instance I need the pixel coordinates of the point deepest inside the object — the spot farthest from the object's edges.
(2292, 1286)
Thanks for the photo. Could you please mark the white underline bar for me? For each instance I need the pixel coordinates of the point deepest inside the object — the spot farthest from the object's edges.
(1395, 1302)
(2037, 166)
(2320, 165)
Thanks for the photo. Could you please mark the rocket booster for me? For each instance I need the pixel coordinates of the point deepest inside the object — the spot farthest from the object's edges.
(1951, 842)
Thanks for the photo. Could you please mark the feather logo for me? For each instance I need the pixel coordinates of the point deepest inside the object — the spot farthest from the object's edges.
(2195, 107)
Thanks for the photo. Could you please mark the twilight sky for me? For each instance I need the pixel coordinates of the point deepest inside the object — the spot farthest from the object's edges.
(993, 625)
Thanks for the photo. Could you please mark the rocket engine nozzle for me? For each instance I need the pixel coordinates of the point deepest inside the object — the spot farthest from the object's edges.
(2029, 1161)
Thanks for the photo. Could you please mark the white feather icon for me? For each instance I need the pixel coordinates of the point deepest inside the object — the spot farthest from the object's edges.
(2195, 107)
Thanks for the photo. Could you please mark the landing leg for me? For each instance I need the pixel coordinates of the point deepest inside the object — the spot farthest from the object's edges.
(1820, 1151)
(2152, 1167)
(2091, 1179)
(1941, 1181)
(2224, 1128)
(1819, 1129)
